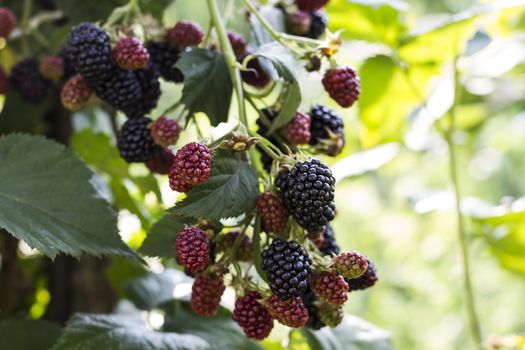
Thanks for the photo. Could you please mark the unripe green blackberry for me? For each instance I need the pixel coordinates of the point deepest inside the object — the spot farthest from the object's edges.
(350, 264)
(331, 315)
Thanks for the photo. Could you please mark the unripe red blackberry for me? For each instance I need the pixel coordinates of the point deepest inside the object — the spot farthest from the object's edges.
(165, 131)
(274, 215)
(342, 84)
(287, 267)
(225, 243)
(4, 81)
(52, 67)
(129, 53)
(206, 295)
(291, 312)
(161, 163)
(164, 56)
(308, 194)
(238, 44)
(192, 166)
(350, 264)
(298, 22)
(192, 249)
(7, 22)
(185, 34)
(252, 317)
(255, 75)
(331, 315)
(330, 287)
(311, 5)
(297, 131)
(367, 280)
(329, 245)
(89, 50)
(327, 129)
(28, 82)
(135, 143)
(318, 23)
(75, 93)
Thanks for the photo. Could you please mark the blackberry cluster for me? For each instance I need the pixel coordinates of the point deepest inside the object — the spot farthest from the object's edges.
(329, 245)
(308, 193)
(327, 129)
(206, 295)
(135, 143)
(27, 80)
(252, 317)
(311, 303)
(287, 268)
(164, 56)
(367, 280)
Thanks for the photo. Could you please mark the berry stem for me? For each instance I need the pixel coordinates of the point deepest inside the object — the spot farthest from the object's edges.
(231, 60)
(24, 25)
(462, 234)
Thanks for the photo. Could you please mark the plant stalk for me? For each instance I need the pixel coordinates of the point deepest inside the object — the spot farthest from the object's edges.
(474, 323)
(24, 25)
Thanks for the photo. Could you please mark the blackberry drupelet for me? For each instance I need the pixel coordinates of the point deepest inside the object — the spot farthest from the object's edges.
(318, 23)
(367, 280)
(121, 89)
(329, 245)
(308, 194)
(27, 80)
(89, 50)
(164, 56)
(226, 241)
(287, 267)
(135, 143)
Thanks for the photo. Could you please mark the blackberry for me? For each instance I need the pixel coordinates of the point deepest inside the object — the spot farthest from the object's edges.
(4, 81)
(89, 50)
(297, 131)
(75, 93)
(291, 312)
(162, 162)
(52, 67)
(192, 248)
(121, 89)
(252, 317)
(238, 44)
(135, 143)
(311, 5)
(342, 84)
(27, 80)
(311, 303)
(7, 22)
(165, 131)
(329, 245)
(330, 287)
(148, 78)
(192, 166)
(129, 53)
(287, 268)
(225, 243)
(298, 22)
(331, 315)
(164, 56)
(255, 75)
(367, 280)
(274, 215)
(318, 21)
(69, 69)
(350, 264)
(206, 295)
(185, 34)
(308, 194)
(327, 130)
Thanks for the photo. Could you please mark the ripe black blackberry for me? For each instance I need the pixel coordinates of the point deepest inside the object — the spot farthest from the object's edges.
(122, 90)
(327, 129)
(367, 280)
(287, 267)
(89, 50)
(135, 142)
(308, 193)
(148, 78)
(318, 20)
(329, 245)
(29, 82)
(164, 56)
(311, 303)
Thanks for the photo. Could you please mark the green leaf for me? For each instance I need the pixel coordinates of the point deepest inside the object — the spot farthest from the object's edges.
(376, 21)
(221, 332)
(231, 190)
(352, 334)
(159, 241)
(284, 63)
(153, 289)
(275, 17)
(207, 84)
(121, 332)
(47, 200)
(28, 334)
